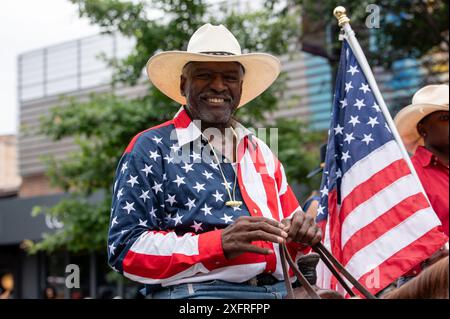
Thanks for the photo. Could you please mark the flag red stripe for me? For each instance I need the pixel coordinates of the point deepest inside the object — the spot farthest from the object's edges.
(383, 224)
(372, 186)
(404, 260)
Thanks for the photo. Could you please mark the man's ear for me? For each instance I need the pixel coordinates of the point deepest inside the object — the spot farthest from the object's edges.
(182, 85)
(421, 129)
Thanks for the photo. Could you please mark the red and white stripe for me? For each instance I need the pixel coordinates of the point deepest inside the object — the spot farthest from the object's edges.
(384, 225)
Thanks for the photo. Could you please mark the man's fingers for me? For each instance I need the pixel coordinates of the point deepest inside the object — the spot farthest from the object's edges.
(266, 228)
(296, 223)
(249, 248)
(259, 219)
(305, 233)
(263, 236)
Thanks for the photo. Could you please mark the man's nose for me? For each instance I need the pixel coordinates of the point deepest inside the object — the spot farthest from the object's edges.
(217, 83)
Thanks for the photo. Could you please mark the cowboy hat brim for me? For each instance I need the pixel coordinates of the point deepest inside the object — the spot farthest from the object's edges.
(408, 118)
(164, 71)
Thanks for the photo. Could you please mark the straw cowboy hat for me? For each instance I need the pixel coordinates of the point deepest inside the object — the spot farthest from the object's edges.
(217, 44)
(427, 100)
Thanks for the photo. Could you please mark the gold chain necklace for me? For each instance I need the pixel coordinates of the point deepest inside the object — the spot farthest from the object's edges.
(232, 202)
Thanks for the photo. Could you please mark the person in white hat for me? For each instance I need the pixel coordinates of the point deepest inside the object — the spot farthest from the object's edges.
(424, 128)
(200, 204)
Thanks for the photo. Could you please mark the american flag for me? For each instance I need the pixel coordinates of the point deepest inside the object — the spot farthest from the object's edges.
(375, 218)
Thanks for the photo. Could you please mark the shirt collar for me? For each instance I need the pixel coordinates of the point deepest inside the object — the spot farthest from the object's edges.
(426, 157)
(188, 130)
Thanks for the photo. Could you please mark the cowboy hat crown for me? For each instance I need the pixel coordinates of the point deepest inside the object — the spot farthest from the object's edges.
(213, 44)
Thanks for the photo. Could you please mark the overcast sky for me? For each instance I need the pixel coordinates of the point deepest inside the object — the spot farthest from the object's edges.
(26, 25)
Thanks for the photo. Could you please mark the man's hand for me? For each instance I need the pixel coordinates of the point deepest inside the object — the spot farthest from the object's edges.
(302, 229)
(238, 237)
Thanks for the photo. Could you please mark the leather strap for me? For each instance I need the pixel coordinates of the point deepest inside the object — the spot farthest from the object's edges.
(326, 255)
(285, 257)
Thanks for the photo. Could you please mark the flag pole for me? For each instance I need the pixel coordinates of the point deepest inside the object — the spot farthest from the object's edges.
(349, 35)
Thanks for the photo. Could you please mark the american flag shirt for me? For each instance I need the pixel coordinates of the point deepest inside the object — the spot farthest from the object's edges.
(168, 207)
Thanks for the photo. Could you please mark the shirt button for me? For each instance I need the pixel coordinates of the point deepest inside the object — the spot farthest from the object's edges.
(225, 160)
(217, 263)
(415, 272)
(255, 210)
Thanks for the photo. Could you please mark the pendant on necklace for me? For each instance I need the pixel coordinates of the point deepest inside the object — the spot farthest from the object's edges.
(233, 203)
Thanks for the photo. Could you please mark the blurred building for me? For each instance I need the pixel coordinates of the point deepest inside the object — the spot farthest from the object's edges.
(76, 68)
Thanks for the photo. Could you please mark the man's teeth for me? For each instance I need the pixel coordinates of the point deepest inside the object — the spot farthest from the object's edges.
(214, 100)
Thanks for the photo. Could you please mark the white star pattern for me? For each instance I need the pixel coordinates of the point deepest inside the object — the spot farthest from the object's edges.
(372, 121)
(207, 175)
(227, 219)
(168, 159)
(320, 210)
(353, 70)
(124, 167)
(171, 199)
(227, 185)
(354, 120)
(154, 155)
(187, 167)
(349, 138)
(147, 170)
(129, 207)
(215, 165)
(175, 148)
(348, 86)
(157, 188)
(367, 138)
(376, 107)
(365, 88)
(343, 103)
(133, 180)
(195, 156)
(119, 193)
(359, 104)
(190, 203)
(338, 129)
(177, 219)
(218, 196)
(324, 191)
(338, 173)
(152, 212)
(199, 187)
(206, 210)
(179, 180)
(114, 221)
(143, 223)
(197, 226)
(157, 140)
(144, 195)
(112, 248)
(345, 156)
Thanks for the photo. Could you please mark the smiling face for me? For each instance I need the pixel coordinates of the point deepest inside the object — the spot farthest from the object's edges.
(212, 90)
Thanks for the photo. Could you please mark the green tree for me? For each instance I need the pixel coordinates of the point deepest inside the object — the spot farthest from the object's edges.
(103, 126)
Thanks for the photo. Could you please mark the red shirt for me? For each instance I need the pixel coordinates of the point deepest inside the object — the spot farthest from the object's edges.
(434, 177)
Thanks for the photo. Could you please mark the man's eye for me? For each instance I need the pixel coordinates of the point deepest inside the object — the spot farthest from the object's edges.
(444, 117)
(231, 78)
(203, 76)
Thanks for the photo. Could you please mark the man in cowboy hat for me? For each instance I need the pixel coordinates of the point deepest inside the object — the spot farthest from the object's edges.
(200, 204)
(423, 126)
